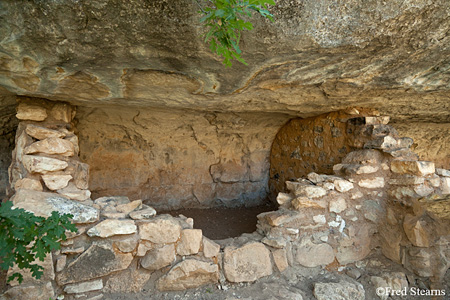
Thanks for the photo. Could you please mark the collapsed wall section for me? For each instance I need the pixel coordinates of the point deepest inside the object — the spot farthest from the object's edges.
(178, 159)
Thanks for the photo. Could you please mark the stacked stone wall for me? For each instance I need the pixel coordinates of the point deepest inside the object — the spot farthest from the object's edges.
(379, 196)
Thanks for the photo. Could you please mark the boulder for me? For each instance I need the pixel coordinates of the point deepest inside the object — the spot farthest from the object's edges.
(190, 273)
(97, 261)
(52, 145)
(247, 263)
(43, 165)
(111, 227)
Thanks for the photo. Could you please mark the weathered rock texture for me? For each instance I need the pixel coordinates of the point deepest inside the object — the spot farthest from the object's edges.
(316, 57)
(175, 159)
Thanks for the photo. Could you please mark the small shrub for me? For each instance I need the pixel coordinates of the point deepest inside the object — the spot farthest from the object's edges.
(25, 237)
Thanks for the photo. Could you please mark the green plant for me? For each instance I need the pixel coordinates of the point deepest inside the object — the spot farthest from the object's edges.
(25, 237)
(225, 20)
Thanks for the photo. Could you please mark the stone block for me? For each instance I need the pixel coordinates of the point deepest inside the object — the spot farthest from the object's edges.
(31, 112)
(443, 172)
(56, 182)
(382, 143)
(415, 231)
(300, 203)
(81, 176)
(412, 167)
(372, 183)
(72, 192)
(62, 112)
(445, 185)
(111, 227)
(247, 263)
(338, 205)
(127, 245)
(312, 255)
(42, 204)
(28, 279)
(355, 247)
(423, 190)
(280, 259)
(384, 120)
(61, 263)
(127, 281)
(406, 180)
(51, 145)
(190, 242)
(84, 287)
(339, 290)
(41, 133)
(363, 157)
(28, 184)
(160, 230)
(43, 165)
(158, 258)
(210, 248)
(274, 242)
(190, 273)
(342, 185)
(43, 291)
(283, 198)
(143, 247)
(97, 261)
(143, 214)
(129, 207)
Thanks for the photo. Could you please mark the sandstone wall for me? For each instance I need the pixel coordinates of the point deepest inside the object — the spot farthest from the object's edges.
(431, 141)
(177, 158)
(315, 144)
(8, 124)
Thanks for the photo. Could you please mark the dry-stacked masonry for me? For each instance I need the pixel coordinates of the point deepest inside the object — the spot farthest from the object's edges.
(380, 196)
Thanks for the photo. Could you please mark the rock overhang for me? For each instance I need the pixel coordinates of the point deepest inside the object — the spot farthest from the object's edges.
(314, 58)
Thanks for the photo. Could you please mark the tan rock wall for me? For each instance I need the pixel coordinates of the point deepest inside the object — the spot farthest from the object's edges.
(8, 125)
(431, 141)
(314, 145)
(177, 158)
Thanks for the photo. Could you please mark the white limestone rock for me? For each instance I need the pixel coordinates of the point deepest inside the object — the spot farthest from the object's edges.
(83, 287)
(52, 145)
(41, 133)
(111, 227)
(190, 242)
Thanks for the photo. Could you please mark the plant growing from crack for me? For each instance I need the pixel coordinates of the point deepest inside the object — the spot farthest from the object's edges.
(225, 20)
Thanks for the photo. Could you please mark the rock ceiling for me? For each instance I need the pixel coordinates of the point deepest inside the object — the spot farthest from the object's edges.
(316, 56)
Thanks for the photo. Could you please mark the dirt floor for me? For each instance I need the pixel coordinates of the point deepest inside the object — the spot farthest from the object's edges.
(221, 223)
